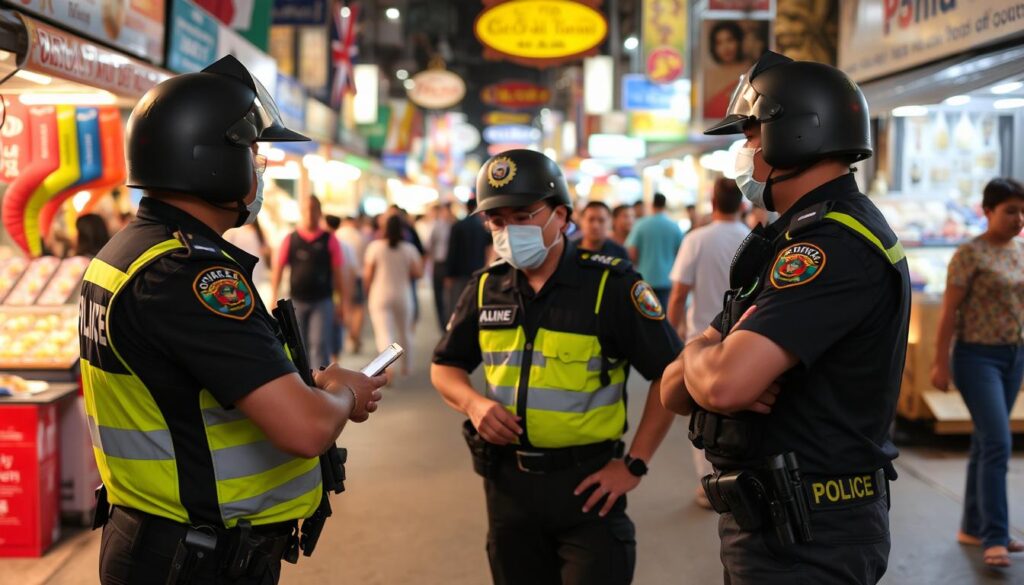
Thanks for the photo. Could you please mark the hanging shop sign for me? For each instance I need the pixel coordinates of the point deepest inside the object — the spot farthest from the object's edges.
(728, 49)
(321, 121)
(664, 29)
(134, 26)
(198, 39)
(291, 102)
(659, 126)
(377, 132)
(515, 95)
(300, 12)
(879, 37)
(465, 137)
(616, 147)
(541, 32)
(67, 56)
(738, 6)
(512, 133)
(499, 118)
(437, 89)
(640, 93)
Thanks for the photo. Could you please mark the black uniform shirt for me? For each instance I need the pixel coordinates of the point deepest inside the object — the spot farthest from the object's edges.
(846, 321)
(649, 344)
(179, 345)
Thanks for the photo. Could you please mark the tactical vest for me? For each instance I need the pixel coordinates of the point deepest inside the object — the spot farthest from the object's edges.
(737, 437)
(131, 440)
(567, 392)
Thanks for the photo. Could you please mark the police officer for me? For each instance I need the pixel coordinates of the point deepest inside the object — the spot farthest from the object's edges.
(556, 329)
(205, 436)
(814, 334)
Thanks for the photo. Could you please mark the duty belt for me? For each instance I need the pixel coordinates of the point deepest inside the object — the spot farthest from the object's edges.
(551, 460)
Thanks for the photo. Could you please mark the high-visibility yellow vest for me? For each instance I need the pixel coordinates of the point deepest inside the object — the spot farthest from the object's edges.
(558, 376)
(133, 444)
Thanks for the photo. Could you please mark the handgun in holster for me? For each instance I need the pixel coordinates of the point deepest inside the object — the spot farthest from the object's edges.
(194, 549)
(738, 492)
(332, 462)
(486, 456)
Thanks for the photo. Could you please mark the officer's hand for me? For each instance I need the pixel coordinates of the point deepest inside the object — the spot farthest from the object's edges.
(366, 390)
(940, 376)
(612, 480)
(494, 423)
(766, 400)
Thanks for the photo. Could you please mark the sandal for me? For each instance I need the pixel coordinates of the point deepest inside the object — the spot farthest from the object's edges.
(997, 556)
(1014, 546)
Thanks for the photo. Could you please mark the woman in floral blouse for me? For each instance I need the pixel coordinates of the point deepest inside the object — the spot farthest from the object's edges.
(984, 307)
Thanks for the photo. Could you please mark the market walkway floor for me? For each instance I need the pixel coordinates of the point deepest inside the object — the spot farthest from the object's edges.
(414, 510)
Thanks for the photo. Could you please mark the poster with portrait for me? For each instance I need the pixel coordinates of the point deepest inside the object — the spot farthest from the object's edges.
(728, 49)
(807, 30)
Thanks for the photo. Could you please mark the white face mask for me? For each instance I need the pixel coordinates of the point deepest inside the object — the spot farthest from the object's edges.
(522, 246)
(751, 188)
(257, 203)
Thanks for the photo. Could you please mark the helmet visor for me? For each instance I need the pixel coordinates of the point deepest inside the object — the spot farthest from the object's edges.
(746, 105)
(269, 126)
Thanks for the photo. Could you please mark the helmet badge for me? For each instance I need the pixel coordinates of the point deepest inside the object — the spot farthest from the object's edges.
(501, 172)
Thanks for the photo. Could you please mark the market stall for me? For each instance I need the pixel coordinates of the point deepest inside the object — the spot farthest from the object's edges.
(947, 97)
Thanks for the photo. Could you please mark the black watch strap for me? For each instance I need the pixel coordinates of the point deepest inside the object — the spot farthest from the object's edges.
(635, 466)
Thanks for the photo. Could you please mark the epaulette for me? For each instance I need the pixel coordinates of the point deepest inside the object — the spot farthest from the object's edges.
(808, 217)
(595, 260)
(498, 265)
(199, 247)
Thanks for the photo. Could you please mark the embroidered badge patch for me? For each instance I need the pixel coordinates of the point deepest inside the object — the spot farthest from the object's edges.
(224, 291)
(797, 264)
(646, 302)
(501, 172)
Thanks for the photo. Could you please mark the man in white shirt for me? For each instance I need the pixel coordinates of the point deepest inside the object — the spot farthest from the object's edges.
(702, 267)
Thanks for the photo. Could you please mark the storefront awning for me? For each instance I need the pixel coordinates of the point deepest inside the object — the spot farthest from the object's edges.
(933, 83)
(66, 63)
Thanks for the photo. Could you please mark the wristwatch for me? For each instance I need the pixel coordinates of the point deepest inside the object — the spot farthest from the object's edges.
(635, 466)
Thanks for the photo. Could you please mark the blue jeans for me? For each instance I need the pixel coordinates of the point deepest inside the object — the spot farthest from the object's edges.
(316, 322)
(989, 378)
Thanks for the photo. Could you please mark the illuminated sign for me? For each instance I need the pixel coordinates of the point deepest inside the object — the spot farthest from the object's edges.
(541, 29)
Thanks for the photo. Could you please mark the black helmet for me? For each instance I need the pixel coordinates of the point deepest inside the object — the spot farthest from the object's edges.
(807, 111)
(193, 133)
(518, 178)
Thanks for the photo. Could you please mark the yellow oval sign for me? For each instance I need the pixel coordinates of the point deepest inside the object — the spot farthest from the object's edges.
(541, 29)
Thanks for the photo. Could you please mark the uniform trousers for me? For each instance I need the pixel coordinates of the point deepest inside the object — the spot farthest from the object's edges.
(133, 552)
(539, 535)
(850, 547)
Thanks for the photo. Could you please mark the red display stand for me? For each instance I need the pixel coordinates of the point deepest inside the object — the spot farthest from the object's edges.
(30, 472)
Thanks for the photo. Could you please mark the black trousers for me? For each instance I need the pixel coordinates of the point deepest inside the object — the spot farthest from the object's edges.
(539, 535)
(134, 552)
(850, 547)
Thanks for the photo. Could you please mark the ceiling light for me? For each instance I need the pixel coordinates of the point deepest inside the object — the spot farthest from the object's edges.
(392, 14)
(909, 111)
(957, 100)
(1007, 87)
(402, 74)
(100, 98)
(1008, 103)
(346, 12)
(34, 77)
(409, 84)
(631, 43)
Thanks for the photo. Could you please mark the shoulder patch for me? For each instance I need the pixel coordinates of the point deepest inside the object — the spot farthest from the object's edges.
(797, 264)
(224, 291)
(645, 301)
(603, 261)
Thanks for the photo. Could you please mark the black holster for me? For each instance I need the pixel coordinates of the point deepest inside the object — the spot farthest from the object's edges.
(721, 435)
(738, 492)
(486, 457)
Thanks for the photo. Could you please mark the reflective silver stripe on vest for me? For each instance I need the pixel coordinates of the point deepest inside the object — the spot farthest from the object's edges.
(132, 444)
(560, 400)
(250, 459)
(287, 491)
(512, 358)
(219, 416)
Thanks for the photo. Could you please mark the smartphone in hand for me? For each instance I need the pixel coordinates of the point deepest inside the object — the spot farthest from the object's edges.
(383, 360)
